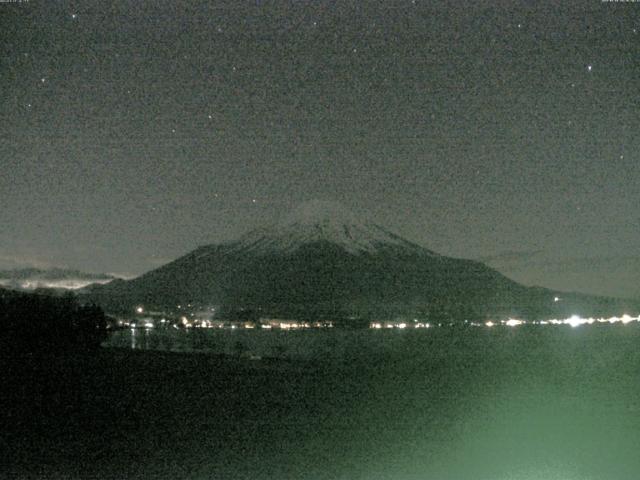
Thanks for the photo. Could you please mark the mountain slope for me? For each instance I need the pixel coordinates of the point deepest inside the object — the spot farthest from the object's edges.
(615, 275)
(323, 261)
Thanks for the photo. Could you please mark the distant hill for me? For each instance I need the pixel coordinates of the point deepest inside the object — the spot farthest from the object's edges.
(52, 278)
(322, 261)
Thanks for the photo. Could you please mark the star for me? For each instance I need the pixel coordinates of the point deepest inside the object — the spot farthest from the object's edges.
(589, 68)
(43, 79)
(74, 16)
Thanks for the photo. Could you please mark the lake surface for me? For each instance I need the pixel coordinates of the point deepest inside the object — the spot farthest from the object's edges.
(544, 402)
(523, 403)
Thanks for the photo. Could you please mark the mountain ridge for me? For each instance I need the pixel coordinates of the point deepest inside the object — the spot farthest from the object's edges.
(323, 221)
(322, 261)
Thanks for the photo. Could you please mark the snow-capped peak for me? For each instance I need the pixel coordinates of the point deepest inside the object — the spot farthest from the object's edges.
(324, 221)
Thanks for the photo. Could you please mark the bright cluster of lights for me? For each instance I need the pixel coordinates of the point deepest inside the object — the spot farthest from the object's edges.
(573, 321)
(512, 322)
(400, 325)
(295, 325)
(268, 324)
(186, 322)
(292, 324)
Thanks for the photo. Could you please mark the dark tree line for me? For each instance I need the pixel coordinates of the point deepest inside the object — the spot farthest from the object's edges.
(41, 324)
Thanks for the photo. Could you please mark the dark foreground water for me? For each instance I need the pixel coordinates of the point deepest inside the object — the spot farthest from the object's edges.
(521, 403)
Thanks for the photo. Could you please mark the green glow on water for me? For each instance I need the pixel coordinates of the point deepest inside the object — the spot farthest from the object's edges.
(498, 403)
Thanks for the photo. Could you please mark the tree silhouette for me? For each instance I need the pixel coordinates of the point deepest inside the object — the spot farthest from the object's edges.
(41, 324)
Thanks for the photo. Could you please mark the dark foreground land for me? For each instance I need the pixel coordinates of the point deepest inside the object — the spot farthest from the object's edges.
(554, 403)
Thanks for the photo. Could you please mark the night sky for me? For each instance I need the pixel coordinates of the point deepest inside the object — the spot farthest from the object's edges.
(134, 131)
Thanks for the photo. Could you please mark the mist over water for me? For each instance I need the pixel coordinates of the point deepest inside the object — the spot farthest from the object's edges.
(520, 403)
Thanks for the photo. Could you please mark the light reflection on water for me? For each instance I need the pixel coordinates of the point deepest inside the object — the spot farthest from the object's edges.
(330, 343)
(303, 344)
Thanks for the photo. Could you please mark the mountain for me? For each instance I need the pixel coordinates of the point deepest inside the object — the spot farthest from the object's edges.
(322, 261)
(321, 221)
(52, 278)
